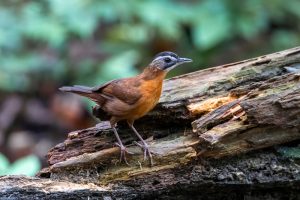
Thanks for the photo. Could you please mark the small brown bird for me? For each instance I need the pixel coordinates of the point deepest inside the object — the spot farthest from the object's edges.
(131, 98)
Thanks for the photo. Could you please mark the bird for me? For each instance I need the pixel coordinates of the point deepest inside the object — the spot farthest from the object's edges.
(131, 98)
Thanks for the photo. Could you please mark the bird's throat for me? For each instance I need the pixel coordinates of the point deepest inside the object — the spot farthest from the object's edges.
(153, 73)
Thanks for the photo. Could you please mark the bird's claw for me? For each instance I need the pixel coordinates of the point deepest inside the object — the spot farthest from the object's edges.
(123, 153)
(146, 150)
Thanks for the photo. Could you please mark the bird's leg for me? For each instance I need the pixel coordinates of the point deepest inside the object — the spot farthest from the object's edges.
(144, 145)
(122, 147)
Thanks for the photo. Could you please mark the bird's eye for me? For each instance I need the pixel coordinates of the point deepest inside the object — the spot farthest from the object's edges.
(167, 60)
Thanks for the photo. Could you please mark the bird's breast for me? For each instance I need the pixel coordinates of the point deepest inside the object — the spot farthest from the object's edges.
(151, 91)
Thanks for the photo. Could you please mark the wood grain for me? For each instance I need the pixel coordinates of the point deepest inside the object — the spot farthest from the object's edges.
(211, 113)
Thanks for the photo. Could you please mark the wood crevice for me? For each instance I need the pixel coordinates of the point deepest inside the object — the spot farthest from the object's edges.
(213, 113)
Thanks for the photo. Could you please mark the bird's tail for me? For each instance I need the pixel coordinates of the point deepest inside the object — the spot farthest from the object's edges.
(77, 89)
(84, 91)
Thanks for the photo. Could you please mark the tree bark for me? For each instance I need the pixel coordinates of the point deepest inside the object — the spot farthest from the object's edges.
(256, 175)
(202, 118)
(215, 112)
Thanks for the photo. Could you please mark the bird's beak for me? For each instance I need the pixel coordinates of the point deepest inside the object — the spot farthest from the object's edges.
(184, 60)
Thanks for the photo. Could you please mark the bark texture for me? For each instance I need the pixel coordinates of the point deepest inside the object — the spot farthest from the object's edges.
(202, 120)
(257, 175)
(216, 112)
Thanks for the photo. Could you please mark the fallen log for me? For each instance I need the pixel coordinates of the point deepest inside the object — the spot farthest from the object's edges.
(204, 115)
(216, 112)
(256, 175)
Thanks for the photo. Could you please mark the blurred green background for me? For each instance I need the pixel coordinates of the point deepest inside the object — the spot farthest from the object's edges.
(45, 44)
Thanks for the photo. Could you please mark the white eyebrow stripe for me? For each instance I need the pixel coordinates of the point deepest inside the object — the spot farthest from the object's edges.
(160, 57)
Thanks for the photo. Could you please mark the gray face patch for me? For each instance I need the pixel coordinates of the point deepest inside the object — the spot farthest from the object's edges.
(167, 61)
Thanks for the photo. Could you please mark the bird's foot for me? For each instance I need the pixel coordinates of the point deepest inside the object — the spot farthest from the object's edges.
(123, 153)
(147, 152)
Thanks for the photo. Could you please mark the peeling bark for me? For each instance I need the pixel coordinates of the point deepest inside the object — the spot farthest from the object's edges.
(219, 111)
(266, 116)
(257, 175)
(202, 116)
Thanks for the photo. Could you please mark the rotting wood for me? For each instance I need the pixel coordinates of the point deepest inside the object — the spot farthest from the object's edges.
(233, 108)
(257, 175)
(169, 153)
(267, 116)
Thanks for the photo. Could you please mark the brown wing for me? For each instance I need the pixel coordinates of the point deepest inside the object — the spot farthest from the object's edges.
(126, 90)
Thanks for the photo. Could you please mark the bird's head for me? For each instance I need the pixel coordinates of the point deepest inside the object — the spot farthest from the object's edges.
(168, 60)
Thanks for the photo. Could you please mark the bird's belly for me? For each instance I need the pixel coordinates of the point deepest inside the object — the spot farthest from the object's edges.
(130, 112)
(151, 93)
(145, 105)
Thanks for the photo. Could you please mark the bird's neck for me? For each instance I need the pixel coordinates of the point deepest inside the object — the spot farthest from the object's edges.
(151, 73)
